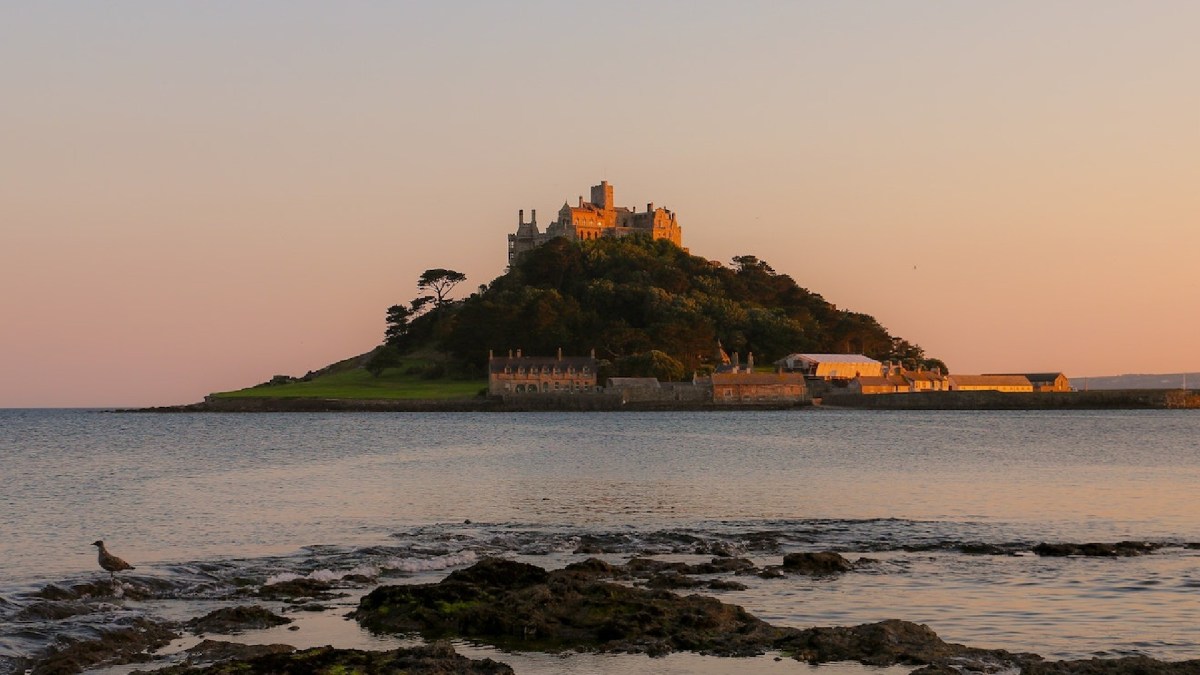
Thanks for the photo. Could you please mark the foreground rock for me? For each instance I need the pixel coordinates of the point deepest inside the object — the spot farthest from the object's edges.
(435, 659)
(817, 564)
(522, 606)
(129, 643)
(236, 619)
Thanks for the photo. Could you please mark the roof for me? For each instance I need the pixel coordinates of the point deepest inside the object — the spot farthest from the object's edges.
(992, 380)
(634, 382)
(833, 358)
(757, 378)
(924, 376)
(499, 363)
(1034, 377)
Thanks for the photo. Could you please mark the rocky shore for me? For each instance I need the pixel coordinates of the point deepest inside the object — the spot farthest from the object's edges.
(643, 606)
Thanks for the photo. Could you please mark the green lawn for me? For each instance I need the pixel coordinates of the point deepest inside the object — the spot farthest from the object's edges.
(394, 383)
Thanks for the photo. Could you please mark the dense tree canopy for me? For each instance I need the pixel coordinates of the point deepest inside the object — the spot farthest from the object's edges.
(630, 296)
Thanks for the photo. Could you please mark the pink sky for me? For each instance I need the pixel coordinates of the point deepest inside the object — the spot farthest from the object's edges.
(197, 196)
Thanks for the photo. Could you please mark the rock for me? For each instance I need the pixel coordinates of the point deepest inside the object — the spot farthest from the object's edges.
(299, 588)
(127, 644)
(877, 644)
(723, 585)
(521, 606)
(435, 659)
(1132, 665)
(53, 611)
(236, 619)
(671, 580)
(816, 563)
(979, 548)
(1119, 549)
(219, 650)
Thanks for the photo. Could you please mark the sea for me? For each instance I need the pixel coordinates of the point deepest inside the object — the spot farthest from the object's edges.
(948, 505)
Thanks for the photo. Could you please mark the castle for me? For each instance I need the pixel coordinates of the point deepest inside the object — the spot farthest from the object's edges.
(592, 220)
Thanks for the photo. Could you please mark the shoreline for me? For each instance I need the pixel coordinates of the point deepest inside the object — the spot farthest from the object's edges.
(1110, 399)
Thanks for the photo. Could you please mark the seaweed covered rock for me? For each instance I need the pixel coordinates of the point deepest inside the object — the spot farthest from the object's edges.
(435, 659)
(522, 606)
(236, 619)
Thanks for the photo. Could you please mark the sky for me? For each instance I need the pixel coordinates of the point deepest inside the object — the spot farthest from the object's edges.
(196, 196)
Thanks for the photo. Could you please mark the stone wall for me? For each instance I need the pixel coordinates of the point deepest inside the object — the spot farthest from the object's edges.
(994, 400)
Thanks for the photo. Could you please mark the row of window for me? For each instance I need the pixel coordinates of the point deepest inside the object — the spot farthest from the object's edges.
(545, 370)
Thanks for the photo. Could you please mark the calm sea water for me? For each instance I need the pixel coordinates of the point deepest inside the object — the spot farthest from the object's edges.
(197, 501)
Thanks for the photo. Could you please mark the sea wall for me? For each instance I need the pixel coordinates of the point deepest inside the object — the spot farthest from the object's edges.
(598, 402)
(994, 400)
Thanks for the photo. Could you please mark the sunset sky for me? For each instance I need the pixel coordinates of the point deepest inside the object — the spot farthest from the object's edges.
(195, 196)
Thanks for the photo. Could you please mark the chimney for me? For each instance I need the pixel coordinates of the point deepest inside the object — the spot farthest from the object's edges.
(581, 201)
(533, 217)
(490, 356)
(750, 361)
(518, 353)
(649, 207)
(521, 217)
(510, 353)
(560, 353)
(593, 352)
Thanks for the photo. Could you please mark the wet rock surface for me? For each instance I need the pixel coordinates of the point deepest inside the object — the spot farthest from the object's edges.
(236, 619)
(434, 659)
(816, 563)
(299, 590)
(129, 643)
(1119, 549)
(523, 606)
(219, 650)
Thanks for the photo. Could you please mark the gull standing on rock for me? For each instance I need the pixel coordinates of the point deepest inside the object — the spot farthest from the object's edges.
(111, 563)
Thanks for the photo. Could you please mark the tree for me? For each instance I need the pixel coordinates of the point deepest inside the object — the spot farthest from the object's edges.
(440, 282)
(398, 317)
(383, 358)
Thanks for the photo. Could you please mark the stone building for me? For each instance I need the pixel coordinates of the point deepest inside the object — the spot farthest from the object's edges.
(1009, 383)
(741, 388)
(541, 374)
(1045, 381)
(600, 217)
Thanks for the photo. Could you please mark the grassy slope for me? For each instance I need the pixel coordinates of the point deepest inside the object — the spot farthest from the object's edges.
(394, 383)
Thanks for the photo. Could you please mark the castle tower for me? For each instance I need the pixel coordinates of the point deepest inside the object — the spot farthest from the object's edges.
(602, 196)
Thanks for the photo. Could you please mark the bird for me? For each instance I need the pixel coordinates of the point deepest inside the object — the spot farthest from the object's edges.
(109, 562)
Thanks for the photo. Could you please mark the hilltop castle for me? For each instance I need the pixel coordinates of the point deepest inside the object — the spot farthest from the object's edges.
(592, 220)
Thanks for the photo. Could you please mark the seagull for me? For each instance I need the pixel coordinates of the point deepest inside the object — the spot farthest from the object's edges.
(111, 563)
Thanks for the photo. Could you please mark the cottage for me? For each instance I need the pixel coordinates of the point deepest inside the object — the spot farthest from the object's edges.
(891, 383)
(541, 374)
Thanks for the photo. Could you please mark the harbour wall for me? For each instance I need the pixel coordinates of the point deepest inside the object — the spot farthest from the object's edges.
(1128, 399)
